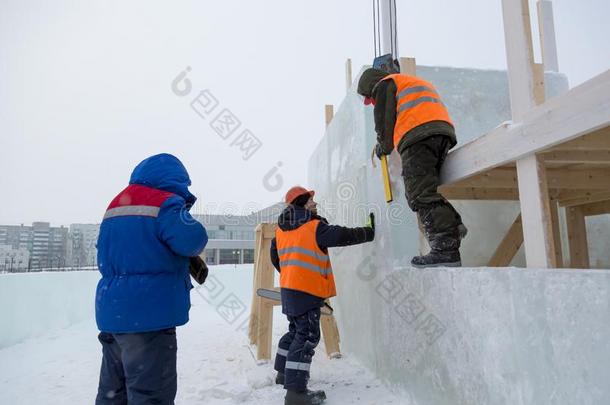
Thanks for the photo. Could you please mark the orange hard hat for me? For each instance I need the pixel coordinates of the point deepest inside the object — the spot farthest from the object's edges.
(296, 192)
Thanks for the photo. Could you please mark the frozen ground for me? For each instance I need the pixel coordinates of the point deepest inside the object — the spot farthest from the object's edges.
(215, 364)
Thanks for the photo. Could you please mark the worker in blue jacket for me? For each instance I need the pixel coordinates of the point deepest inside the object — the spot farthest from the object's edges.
(146, 240)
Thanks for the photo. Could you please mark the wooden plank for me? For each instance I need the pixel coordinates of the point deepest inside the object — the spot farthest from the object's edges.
(589, 179)
(510, 245)
(577, 238)
(582, 110)
(568, 198)
(253, 322)
(548, 43)
(556, 234)
(597, 208)
(408, 66)
(471, 193)
(579, 179)
(348, 74)
(328, 113)
(535, 209)
(598, 140)
(264, 321)
(520, 56)
(330, 333)
(597, 157)
(539, 95)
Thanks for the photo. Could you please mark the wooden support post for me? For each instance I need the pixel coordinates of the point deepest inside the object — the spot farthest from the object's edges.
(252, 326)
(536, 211)
(348, 74)
(539, 92)
(556, 234)
(577, 237)
(408, 66)
(520, 56)
(328, 113)
(533, 190)
(548, 43)
(262, 312)
(508, 248)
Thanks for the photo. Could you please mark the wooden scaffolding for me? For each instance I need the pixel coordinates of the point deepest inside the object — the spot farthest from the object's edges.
(555, 153)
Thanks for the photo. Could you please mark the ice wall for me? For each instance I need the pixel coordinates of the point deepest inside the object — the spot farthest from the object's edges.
(33, 303)
(464, 336)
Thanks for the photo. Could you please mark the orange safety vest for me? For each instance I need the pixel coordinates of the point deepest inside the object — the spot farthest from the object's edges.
(417, 103)
(305, 267)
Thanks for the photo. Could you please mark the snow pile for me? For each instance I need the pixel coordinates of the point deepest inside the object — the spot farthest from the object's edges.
(33, 303)
(215, 362)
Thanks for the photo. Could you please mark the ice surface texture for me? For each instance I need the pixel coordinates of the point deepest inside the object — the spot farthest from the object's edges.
(461, 336)
(34, 303)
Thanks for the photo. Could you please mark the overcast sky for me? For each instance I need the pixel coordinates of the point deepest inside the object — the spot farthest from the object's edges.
(85, 87)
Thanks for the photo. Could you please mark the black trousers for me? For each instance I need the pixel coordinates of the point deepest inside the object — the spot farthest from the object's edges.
(296, 349)
(138, 368)
(421, 165)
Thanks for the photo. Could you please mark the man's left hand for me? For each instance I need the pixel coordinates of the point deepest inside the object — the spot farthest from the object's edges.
(379, 151)
(198, 269)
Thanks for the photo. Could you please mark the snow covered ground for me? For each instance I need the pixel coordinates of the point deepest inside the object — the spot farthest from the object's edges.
(215, 363)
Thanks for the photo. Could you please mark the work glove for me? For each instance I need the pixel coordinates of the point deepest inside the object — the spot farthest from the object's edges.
(379, 151)
(370, 223)
(198, 269)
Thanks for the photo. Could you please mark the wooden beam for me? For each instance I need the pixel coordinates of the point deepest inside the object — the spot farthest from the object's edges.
(581, 111)
(577, 238)
(408, 66)
(510, 245)
(328, 113)
(589, 179)
(598, 157)
(598, 140)
(348, 74)
(579, 179)
(536, 212)
(330, 332)
(519, 56)
(471, 193)
(572, 198)
(556, 234)
(548, 43)
(539, 95)
(597, 208)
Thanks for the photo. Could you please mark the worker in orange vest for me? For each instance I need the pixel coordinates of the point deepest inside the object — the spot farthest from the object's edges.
(411, 118)
(299, 252)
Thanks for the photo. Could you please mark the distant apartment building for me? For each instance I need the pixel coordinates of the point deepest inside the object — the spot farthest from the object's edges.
(14, 259)
(47, 245)
(82, 241)
(41, 246)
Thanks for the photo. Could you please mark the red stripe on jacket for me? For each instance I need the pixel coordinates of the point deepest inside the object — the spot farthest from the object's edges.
(136, 194)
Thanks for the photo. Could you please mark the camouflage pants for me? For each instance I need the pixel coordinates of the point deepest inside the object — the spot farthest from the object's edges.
(421, 164)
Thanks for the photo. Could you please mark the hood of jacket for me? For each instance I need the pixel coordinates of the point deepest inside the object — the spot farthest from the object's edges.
(369, 80)
(164, 172)
(293, 217)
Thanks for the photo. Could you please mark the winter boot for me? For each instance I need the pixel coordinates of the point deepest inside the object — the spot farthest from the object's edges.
(444, 252)
(304, 397)
(438, 258)
(279, 379)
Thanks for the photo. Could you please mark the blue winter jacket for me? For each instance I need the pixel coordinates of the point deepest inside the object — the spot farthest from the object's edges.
(144, 245)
